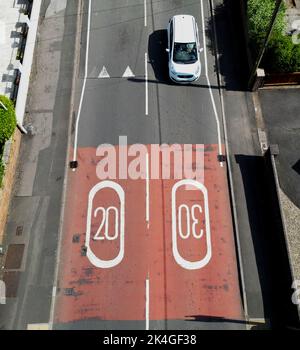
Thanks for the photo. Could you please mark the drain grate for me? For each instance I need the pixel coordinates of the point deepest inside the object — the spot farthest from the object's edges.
(19, 231)
(11, 280)
(14, 256)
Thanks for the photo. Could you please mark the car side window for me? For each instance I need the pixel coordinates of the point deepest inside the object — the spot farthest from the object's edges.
(171, 35)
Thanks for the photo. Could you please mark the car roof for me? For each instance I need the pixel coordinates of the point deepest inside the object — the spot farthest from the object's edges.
(184, 29)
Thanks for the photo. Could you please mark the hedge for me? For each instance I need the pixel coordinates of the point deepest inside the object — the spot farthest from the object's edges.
(7, 127)
(7, 119)
(282, 55)
(2, 170)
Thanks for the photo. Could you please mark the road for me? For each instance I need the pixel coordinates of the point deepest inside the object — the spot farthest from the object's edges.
(146, 253)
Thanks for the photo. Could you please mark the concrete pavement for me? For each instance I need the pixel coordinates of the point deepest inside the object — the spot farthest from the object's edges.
(32, 228)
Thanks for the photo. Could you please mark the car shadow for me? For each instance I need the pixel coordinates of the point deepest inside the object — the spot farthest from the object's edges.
(158, 56)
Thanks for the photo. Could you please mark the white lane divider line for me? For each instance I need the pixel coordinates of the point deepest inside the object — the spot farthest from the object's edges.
(147, 192)
(146, 81)
(104, 73)
(84, 82)
(145, 13)
(128, 73)
(147, 308)
(209, 85)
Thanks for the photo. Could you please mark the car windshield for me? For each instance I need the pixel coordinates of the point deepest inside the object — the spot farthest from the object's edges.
(185, 53)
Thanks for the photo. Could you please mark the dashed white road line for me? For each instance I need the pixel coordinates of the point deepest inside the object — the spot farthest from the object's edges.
(209, 84)
(145, 13)
(84, 81)
(147, 86)
(147, 307)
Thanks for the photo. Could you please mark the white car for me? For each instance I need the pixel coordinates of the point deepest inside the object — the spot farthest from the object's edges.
(184, 49)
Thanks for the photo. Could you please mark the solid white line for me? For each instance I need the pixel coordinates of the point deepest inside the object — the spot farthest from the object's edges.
(147, 308)
(145, 13)
(84, 82)
(208, 82)
(146, 80)
(147, 191)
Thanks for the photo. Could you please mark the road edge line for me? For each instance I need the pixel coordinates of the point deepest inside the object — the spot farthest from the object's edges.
(64, 191)
(229, 170)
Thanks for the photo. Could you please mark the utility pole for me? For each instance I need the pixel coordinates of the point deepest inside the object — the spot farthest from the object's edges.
(265, 44)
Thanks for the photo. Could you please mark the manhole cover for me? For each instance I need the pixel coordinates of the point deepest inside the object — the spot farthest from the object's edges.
(11, 280)
(14, 256)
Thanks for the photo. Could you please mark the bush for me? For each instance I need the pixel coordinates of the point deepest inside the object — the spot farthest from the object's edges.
(281, 54)
(2, 169)
(259, 16)
(7, 119)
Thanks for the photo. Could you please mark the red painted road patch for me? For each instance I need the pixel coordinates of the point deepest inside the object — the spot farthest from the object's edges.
(198, 278)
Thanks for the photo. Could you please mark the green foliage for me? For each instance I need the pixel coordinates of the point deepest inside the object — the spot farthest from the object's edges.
(2, 169)
(281, 54)
(7, 119)
(259, 17)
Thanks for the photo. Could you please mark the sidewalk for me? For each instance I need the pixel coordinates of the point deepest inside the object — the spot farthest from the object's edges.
(281, 110)
(18, 30)
(34, 216)
(11, 17)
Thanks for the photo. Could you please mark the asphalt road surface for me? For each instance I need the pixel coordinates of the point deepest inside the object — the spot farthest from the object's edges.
(147, 253)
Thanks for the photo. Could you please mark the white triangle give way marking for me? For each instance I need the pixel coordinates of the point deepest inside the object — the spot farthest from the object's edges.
(128, 73)
(104, 73)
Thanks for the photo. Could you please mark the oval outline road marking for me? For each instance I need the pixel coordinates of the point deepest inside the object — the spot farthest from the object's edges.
(106, 264)
(189, 265)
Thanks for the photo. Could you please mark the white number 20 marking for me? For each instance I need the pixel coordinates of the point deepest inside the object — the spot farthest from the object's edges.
(104, 231)
(105, 223)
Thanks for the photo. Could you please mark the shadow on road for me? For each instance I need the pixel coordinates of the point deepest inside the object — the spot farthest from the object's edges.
(218, 319)
(268, 241)
(158, 57)
(226, 24)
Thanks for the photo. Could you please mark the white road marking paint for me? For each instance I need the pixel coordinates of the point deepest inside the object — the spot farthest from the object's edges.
(106, 264)
(84, 82)
(147, 308)
(128, 73)
(38, 327)
(209, 84)
(191, 265)
(104, 73)
(147, 192)
(146, 80)
(145, 13)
